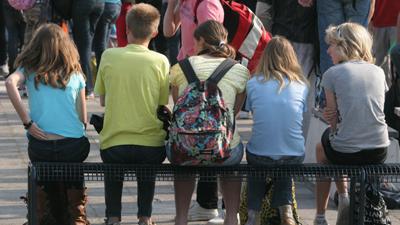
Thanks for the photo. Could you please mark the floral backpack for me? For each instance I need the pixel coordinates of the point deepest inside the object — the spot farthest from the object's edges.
(201, 128)
(22, 4)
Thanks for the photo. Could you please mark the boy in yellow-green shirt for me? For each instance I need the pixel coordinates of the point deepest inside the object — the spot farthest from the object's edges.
(132, 82)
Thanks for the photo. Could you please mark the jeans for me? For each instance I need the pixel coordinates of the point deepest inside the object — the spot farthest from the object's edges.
(15, 29)
(282, 190)
(3, 41)
(85, 15)
(173, 43)
(102, 32)
(335, 12)
(131, 154)
(64, 150)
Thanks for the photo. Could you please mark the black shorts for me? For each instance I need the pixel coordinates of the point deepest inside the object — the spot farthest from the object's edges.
(367, 156)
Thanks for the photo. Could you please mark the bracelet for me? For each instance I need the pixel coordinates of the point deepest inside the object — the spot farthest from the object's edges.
(28, 125)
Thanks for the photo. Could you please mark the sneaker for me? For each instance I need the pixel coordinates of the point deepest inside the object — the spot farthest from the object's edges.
(321, 222)
(198, 213)
(219, 220)
(343, 217)
(4, 71)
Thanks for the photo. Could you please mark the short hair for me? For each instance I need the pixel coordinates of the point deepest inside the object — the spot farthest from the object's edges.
(353, 41)
(142, 20)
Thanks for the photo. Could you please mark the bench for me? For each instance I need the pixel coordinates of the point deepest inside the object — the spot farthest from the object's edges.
(168, 172)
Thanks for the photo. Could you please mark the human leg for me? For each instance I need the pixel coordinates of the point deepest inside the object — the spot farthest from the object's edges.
(183, 194)
(322, 188)
(102, 31)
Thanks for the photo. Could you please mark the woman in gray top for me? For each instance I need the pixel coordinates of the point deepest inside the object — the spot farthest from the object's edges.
(355, 94)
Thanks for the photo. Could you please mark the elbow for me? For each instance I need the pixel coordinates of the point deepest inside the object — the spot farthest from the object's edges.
(168, 32)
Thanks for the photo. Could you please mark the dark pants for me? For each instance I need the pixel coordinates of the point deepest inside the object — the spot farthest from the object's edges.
(131, 154)
(103, 27)
(85, 15)
(15, 29)
(3, 41)
(64, 150)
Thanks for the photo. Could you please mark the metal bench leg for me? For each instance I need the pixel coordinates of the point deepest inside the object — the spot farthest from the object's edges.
(32, 217)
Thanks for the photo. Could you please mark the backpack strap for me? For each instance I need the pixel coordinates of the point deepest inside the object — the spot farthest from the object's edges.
(221, 70)
(188, 71)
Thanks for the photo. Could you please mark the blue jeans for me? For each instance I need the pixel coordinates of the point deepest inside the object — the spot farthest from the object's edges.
(85, 15)
(3, 41)
(102, 32)
(15, 26)
(131, 154)
(335, 12)
(282, 190)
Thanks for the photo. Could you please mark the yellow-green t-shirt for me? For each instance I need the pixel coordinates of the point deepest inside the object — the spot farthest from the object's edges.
(135, 82)
(233, 83)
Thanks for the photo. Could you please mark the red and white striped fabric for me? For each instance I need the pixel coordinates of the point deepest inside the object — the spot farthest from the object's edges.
(246, 32)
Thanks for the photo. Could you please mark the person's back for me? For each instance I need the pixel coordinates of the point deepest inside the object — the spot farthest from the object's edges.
(132, 83)
(126, 75)
(360, 94)
(277, 116)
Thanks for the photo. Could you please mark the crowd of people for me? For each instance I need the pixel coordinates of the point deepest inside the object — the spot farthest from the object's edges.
(332, 55)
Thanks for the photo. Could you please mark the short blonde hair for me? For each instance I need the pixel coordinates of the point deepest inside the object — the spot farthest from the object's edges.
(142, 20)
(279, 61)
(353, 41)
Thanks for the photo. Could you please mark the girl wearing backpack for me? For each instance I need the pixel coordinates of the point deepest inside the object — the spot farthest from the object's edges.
(276, 95)
(49, 67)
(212, 50)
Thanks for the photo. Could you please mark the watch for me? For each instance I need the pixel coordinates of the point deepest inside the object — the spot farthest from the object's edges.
(28, 125)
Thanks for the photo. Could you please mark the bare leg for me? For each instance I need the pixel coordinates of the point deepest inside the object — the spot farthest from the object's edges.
(322, 188)
(183, 194)
(230, 190)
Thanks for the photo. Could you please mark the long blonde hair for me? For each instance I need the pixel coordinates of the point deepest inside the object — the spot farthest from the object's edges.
(353, 41)
(51, 55)
(279, 61)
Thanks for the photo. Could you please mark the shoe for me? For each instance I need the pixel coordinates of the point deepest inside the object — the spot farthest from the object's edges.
(343, 217)
(253, 217)
(219, 220)
(286, 215)
(112, 221)
(198, 213)
(4, 71)
(90, 95)
(244, 115)
(320, 222)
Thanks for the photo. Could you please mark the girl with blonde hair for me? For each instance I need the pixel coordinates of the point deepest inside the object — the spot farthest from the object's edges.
(49, 67)
(355, 94)
(276, 95)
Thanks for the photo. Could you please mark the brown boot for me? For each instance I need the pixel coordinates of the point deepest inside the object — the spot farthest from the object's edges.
(286, 215)
(77, 200)
(43, 215)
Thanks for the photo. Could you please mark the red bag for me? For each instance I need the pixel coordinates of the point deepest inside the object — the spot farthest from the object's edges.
(246, 32)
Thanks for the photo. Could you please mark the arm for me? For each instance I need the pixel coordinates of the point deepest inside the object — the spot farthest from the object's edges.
(172, 20)
(398, 29)
(102, 100)
(12, 83)
(240, 98)
(81, 106)
(175, 93)
(371, 11)
(330, 111)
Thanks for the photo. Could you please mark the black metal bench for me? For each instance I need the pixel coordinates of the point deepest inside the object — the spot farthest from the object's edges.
(167, 172)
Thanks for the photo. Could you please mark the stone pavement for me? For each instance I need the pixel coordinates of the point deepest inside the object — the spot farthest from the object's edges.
(13, 178)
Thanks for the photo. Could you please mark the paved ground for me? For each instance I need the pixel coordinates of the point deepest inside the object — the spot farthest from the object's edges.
(13, 178)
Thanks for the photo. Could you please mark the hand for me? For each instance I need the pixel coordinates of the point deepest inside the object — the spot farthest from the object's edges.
(306, 3)
(36, 132)
(330, 115)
